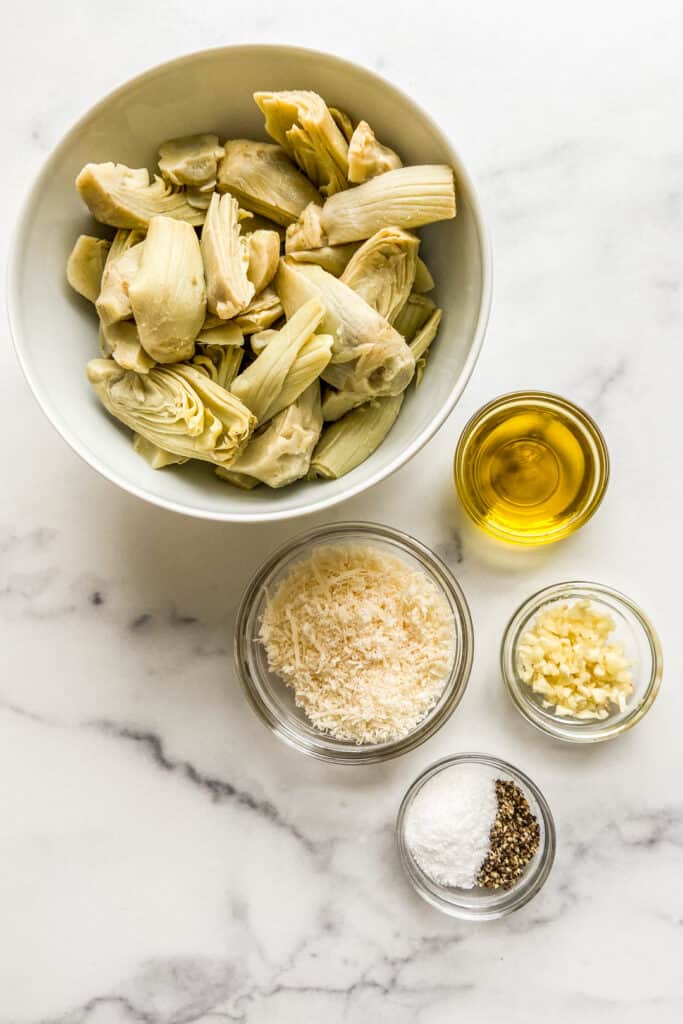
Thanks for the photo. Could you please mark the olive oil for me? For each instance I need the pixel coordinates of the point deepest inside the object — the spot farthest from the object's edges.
(531, 468)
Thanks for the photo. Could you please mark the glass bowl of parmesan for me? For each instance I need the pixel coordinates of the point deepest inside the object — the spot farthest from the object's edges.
(581, 662)
(354, 643)
(475, 837)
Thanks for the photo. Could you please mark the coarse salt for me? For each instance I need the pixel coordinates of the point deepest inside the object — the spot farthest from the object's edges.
(448, 825)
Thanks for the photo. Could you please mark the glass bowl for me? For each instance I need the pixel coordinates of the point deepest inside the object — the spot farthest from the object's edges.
(634, 632)
(480, 904)
(273, 700)
(524, 528)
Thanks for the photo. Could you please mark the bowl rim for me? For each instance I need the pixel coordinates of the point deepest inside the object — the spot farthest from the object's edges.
(458, 677)
(590, 430)
(565, 730)
(89, 456)
(511, 899)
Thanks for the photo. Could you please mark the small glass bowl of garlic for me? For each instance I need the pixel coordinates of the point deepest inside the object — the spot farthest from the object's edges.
(581, 662)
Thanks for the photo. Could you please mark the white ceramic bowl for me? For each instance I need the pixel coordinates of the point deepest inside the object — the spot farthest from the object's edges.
(55, 330)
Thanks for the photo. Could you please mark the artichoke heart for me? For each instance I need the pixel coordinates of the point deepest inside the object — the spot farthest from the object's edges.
(383, 270)
(424, 282)
(220, 363)
(226, 258)
(123, 197)
(280, 452)
(342, 121)
(154, 455)
(302, 124)
(264, 180)
(191, 160)
(261, 384)
(414, 315)
(369, 357)
(122, 343)
(113, 302)
(337, 403)
(85, 265)
(167, 295)
(177, 407)
(405, 198)
(264, 256)
(419, 346)
(368, 157)
(259, 340)
(332, 258)
(225, 332)
(313, 357)
(261, 312)
(352, 439)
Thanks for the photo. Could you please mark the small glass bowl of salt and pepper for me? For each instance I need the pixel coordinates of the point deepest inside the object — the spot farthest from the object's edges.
(480, 852)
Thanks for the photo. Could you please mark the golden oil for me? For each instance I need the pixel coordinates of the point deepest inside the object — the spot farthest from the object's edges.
(531, 468)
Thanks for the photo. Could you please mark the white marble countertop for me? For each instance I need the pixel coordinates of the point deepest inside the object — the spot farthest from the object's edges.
(164, 860)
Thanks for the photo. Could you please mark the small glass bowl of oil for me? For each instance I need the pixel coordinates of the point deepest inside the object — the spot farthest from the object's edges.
(531, 468)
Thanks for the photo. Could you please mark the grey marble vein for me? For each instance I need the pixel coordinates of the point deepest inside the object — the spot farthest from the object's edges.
(219, 790)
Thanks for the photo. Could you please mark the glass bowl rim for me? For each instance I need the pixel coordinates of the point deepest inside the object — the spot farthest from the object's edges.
(512, 899)
(588, 426)
(566, 729)
(456, 683)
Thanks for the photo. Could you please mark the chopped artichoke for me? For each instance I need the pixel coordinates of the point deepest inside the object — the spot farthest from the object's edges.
(154, 455)
(332, 258)
(337, 403)
(191, 160)
(414, 315)
(255, 222)
(342, 121)
(262, 382)
(221, 363)
(85, 265)
(264, 256)
(168, 294)
(241, 480)
(199, 198)
(261, 313)
(225, 332)
(349, 441)
(307, 232)
(368, 157)
(123, 197)
(281, 452)
(259, 340)
(421, 342)
(125, 238)
(424, 282)
(405, 198)
(177, 407)
(368, 356)
(264, 180)
(113, 302)
(303, 126)
(122, 343)
(226, 258)
(312, 359)
(382, 271)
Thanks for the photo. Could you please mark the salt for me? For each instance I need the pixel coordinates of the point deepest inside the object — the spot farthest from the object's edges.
(448, 824)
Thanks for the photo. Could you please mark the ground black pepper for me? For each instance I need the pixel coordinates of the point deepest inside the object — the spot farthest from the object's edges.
(514, 838)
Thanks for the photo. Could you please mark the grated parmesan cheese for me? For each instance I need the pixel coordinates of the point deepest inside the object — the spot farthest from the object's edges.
(365, 641)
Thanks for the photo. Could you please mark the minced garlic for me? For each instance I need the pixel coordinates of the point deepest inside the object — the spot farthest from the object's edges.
(567, 658)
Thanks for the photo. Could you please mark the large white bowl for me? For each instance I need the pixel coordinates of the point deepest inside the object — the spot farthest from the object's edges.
(55, 330)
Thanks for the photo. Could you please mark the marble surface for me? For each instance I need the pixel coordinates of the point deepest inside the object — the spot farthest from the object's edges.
(163, 859)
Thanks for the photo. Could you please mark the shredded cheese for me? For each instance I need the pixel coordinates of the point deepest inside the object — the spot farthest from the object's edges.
(365, 641)
(566, 657)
